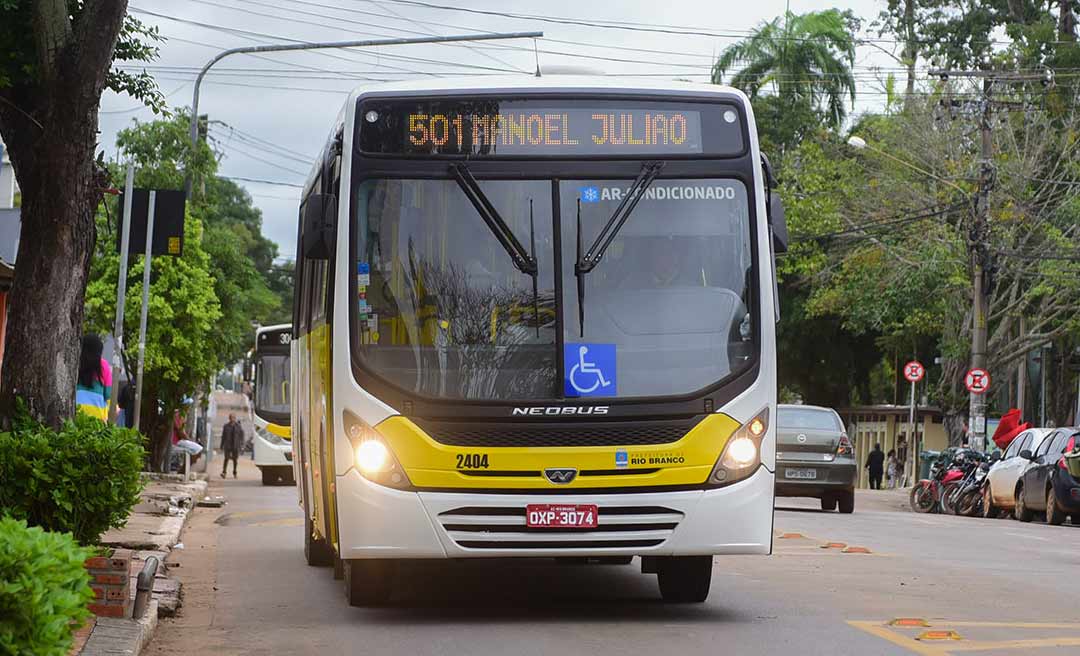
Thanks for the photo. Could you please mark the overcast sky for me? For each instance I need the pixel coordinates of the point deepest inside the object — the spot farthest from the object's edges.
(276, 110)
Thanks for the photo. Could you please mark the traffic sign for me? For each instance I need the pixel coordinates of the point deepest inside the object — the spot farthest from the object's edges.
(977, 381)
(914, 371)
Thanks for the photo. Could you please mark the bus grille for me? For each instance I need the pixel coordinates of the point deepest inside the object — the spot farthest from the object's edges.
(540, 434)
(619, 527)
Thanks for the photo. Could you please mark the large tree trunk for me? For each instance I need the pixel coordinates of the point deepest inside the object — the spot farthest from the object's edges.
(45, 325)
(49, 122)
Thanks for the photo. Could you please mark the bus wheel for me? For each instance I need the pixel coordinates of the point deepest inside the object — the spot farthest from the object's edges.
(268, 476)
(339, 569)
(317, 552)
(684, 579)
(367, 582)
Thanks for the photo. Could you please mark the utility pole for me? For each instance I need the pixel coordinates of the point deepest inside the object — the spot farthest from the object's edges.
(980, 231)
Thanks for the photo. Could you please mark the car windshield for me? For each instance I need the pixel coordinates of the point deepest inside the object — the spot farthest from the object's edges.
(272, 384)
(443, 311)
(806, 418)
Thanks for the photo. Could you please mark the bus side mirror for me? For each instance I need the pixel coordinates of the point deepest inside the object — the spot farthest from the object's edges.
(318, 228)
(777, 223)
(1026, 454)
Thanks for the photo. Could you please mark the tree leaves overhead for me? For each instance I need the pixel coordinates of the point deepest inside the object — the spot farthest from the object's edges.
(805, 58)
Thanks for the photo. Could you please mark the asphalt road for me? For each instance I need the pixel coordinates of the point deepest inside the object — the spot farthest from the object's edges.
(1003, 587)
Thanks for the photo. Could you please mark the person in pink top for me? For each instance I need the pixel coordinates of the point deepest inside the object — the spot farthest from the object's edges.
(106, 373)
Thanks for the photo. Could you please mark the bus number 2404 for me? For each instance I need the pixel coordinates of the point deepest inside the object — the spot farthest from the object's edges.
(472, 461)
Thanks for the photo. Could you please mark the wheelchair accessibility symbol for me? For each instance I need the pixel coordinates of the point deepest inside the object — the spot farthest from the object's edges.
(590, 369)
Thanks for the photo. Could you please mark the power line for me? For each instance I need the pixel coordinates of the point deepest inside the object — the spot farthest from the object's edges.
(276, 183)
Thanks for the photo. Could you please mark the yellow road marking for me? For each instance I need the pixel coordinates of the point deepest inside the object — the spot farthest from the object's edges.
(938, 635)
(1016, 644)
(286, 521)
(882, 631)
(876, 629)
(1021, 625)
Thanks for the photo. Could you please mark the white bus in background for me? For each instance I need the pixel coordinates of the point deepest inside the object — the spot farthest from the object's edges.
(534, 317)
(272, 441)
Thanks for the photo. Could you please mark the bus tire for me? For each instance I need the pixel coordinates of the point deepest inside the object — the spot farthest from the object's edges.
(368, 582)
(339, 569)
(268, 476)
(317, 552)
(684, 579)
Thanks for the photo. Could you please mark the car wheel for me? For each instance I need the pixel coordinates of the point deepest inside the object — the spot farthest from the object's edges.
(1021, 510)
(685, 579)
(847, 502)
(368, 582)
(828, 501)
(1054, 514)
(989, 510)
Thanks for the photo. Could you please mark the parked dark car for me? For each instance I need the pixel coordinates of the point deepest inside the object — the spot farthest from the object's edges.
(1047, 486)
(814, 457)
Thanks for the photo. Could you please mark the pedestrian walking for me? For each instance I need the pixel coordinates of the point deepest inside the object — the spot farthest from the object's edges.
(91, 390)
(875, 462)
(232, 436)
(892, 469)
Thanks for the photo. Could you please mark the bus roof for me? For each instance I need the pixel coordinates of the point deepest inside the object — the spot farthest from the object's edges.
(544, 84)
(273, 329)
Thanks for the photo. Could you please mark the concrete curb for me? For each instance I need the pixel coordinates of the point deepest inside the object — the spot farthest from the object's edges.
(121, 636)
(154, 526)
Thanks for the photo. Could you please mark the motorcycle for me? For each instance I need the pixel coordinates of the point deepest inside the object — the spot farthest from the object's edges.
(968, 498)
(945, 475)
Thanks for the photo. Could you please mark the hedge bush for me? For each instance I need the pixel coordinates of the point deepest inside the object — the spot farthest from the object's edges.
(44, 590)
(82, 479)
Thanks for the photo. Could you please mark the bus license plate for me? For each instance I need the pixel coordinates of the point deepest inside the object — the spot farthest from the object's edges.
(803, 474)
(547, 515)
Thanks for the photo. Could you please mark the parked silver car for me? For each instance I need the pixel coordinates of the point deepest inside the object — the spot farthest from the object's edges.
(814, 457)
(999, 493)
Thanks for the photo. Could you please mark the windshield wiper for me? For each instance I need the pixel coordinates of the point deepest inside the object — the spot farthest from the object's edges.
(587, 262)
(524, 261)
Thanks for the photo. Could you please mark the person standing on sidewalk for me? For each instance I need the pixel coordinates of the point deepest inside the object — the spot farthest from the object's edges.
(892, 470)
(875, 462)
(232, 436)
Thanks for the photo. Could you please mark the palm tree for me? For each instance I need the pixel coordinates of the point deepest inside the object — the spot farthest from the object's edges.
(805, 58)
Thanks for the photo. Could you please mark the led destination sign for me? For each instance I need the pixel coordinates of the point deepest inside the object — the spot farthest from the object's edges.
(493, 128)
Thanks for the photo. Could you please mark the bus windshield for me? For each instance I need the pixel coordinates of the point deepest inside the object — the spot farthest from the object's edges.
(443, 311)
(272, 385)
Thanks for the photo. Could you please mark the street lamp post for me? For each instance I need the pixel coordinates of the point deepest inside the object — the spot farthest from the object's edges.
(194, 126)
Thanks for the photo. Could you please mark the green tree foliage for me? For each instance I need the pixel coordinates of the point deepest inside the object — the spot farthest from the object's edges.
(82, 479)
(242, 259)
(184, 340)
(805, 58)
(44, 589)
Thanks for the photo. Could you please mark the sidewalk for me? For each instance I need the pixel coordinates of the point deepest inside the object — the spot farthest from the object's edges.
(890, 500)
(153, 529)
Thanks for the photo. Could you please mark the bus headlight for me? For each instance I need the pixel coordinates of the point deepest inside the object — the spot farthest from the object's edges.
(372, 456)
(742, 453)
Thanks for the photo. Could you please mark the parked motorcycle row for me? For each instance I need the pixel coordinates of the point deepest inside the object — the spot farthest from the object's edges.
(1037, 475)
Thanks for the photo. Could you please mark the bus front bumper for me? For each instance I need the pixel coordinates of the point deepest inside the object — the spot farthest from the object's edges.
(380, 522)
(268, 454)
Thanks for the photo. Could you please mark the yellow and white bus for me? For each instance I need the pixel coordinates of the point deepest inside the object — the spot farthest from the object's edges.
(535, 318)
(272, 442)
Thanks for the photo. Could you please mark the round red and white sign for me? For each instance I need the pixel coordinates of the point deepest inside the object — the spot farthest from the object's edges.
(977, 381)
(914, 371)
